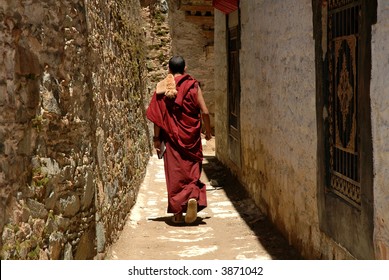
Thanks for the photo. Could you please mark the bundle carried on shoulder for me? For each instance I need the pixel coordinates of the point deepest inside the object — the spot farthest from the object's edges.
(167, 86)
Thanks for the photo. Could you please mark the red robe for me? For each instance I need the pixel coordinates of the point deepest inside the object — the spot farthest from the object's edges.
(180, 123)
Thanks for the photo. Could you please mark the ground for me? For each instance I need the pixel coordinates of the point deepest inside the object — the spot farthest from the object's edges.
(230, 228)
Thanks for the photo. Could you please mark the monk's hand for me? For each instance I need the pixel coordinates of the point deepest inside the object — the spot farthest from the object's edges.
(208, 135)
(157, 145)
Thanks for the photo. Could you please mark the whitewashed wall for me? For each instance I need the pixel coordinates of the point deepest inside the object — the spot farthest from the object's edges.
(379, 93)
(278, 118)
(221, 125)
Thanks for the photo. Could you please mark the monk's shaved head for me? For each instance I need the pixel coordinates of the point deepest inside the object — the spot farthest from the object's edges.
(177, 64)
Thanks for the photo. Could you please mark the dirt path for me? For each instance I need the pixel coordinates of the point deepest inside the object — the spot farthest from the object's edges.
(230, 228)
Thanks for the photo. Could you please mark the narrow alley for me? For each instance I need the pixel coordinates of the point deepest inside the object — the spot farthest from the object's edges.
(230, 228)
(296, 96)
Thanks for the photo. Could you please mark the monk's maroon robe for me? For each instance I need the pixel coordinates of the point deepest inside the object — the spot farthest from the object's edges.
(180, 123)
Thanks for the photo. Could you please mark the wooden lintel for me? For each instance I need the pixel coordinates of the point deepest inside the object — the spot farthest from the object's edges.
(208, 34)
(207, 20)
(196, 8)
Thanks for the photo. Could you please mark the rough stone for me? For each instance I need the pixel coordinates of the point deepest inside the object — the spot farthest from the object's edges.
(68, 253)
(43, 254)
(69, 206)
(24, 232)
(38, 227)
(49, 103)
(8, 237)
(89, 192)
(85, 248)
(24, 248)
(100, 236)
(55, 243)
(37, 209)
(49, 166)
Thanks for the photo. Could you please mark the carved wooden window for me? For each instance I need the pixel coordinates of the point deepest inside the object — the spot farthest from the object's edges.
(343, 92)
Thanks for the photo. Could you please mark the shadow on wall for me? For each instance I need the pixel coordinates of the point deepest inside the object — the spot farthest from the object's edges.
(266, 233)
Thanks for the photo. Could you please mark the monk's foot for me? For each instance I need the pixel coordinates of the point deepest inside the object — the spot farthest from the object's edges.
(191, 211)
(178, 218)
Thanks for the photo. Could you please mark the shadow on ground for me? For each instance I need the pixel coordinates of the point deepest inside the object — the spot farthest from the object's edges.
(270, 238)
(168, 220)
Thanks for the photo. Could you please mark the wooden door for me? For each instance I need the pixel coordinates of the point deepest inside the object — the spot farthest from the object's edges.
(234, 87)
(346, 199)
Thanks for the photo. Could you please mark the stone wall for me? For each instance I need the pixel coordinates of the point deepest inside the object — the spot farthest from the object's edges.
(121, 135)
(189, 41)
(158, 41)
(158, 50)
(380, 127)
(73, 137)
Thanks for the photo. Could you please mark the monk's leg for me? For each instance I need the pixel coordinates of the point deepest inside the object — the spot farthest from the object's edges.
(183, 181)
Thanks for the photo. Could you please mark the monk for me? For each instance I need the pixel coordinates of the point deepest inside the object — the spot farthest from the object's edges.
(176, 109)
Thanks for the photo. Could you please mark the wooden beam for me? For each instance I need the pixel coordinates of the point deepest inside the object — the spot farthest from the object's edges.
(196, 8)
(208, 20)
(208, 34)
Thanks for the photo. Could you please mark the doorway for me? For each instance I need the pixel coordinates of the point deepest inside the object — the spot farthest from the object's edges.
(233, 27)
(343, 53)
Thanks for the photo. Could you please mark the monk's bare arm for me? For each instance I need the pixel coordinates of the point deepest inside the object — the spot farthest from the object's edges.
(205, 114)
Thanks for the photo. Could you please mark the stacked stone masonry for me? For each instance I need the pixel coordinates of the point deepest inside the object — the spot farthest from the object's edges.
(189, 41)
(73, 136)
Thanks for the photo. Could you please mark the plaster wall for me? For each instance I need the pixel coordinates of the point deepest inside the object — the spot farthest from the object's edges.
(278, 119)
(379, 95)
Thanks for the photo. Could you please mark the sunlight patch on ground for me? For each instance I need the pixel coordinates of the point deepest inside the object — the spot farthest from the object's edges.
(194, 251)
(221, 204)
(114, 256)
(136, 212)
(160, 178)
(185, 232)
(183, 240)
(219, 210)
(243, 257)
(215, 193)
(152, 203)
(226, 215)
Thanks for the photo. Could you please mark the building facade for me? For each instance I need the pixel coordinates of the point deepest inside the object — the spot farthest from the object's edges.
(301, 118)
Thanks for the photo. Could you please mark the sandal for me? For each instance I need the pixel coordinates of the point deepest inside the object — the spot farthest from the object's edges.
(191, 211)
(177, 219)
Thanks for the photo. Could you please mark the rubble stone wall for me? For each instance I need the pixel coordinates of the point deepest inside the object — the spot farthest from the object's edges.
(189, 41)
(73, 137)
